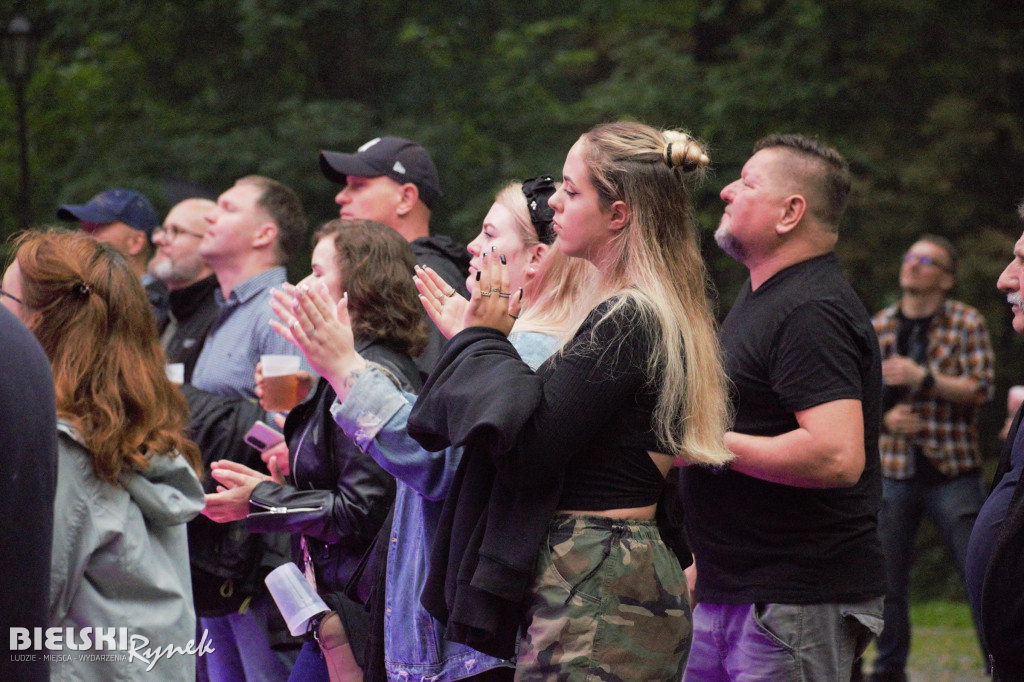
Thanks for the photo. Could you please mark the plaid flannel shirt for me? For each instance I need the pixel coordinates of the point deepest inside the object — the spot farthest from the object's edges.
(958, 345)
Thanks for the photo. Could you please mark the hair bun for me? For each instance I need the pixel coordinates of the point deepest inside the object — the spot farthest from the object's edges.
(684, 152)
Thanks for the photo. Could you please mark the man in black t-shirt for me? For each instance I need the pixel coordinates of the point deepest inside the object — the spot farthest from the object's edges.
(790, 574)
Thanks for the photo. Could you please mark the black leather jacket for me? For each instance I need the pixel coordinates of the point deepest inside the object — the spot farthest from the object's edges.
(339, 496)
(221, 552)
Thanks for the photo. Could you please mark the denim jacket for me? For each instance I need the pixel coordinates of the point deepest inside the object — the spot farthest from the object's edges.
(375, 414)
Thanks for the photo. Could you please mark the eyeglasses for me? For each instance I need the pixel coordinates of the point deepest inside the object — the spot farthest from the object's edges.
(925, 260)
(172, 232)
(11, 296)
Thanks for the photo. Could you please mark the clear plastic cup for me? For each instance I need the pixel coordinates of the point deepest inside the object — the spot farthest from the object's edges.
(295, 598)
(176, 372)
(280, 382)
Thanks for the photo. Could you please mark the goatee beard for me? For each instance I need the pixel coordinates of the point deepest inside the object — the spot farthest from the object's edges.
(728, 243)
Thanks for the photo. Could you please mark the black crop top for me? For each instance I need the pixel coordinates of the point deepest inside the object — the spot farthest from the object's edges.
(595, 418)
(573, 435)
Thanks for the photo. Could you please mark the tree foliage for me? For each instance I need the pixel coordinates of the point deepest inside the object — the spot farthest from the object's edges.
(925, 98)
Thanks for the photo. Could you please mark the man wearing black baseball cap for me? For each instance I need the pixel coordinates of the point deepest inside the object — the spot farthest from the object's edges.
(125, 219)
(393, 181)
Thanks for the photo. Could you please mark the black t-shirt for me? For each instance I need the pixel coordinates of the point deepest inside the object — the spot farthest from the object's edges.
(911, 342)
(801, 340)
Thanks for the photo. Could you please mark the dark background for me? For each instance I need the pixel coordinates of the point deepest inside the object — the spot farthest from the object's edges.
(924, 97)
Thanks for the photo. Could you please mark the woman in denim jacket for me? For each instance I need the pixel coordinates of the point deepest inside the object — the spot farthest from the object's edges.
(336, 497)
(373, 411)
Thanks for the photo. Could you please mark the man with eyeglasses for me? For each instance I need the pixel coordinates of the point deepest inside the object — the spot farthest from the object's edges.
(189, 279)
(937, 365)
(125, 219)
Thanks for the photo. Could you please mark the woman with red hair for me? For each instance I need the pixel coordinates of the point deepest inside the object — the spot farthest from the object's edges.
(127, 475)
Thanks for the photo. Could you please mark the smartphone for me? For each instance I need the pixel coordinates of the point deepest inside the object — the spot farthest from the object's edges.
(263, 436)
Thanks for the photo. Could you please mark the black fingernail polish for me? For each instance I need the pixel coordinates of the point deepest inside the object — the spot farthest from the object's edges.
(492, 249)
(503, 259)
(478, 275)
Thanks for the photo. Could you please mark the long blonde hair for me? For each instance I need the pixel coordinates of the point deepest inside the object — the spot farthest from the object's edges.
(559, 296)
(655, 262)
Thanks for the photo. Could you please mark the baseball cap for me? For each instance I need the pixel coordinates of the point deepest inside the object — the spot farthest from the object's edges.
(396, 157)
(114, 206)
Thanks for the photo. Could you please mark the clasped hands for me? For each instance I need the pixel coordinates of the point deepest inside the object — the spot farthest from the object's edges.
(903, 420)
(319, 327)
(237, 481)
(899, 370)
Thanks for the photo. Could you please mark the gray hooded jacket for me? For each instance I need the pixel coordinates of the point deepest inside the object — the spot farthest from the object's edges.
(120, 560)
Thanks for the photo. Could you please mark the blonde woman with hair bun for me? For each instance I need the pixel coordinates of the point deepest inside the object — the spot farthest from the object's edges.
(562, 559)
(373, 411)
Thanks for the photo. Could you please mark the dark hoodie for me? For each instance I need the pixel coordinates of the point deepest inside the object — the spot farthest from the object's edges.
(450, 260)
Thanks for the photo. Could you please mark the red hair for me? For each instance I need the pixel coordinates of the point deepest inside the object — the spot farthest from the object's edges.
(93, 319)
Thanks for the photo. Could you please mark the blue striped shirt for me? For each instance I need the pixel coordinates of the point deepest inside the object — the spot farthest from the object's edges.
(239, 337)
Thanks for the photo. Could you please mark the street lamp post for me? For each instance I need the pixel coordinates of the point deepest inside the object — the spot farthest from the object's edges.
(18, 47)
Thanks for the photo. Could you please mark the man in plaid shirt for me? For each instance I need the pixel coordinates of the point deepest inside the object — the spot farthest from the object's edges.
(937, 365)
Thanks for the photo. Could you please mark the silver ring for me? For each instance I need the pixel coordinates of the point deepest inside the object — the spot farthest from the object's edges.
(450, 293)
(504, 295)
(485, 293)
(494, 289)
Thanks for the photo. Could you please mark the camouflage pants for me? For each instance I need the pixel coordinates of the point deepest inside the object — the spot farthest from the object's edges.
(608, 602)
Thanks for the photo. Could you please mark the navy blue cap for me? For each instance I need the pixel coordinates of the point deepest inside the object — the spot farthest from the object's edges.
(114, 206)
(400, 159)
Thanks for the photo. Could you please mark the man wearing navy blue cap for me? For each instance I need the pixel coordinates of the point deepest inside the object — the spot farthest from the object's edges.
(119, 217)
(393, 181)
(125, 219)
